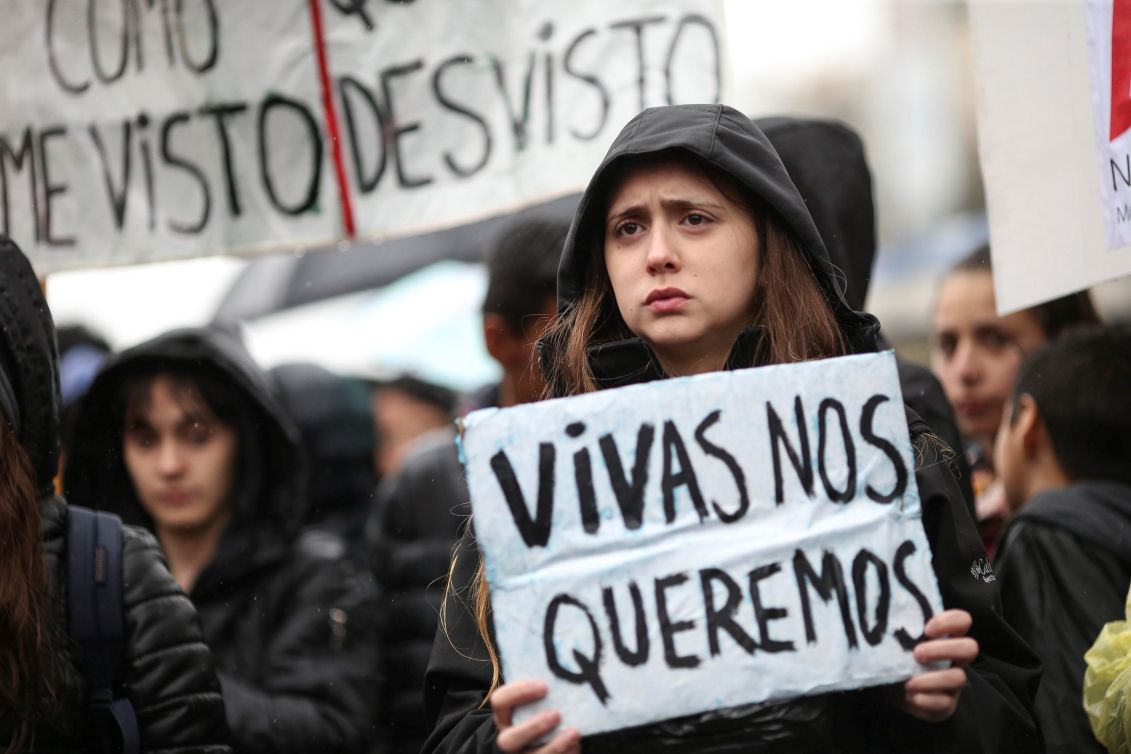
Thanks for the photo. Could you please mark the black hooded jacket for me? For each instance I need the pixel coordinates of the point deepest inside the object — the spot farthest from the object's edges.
(291, 629)
(1065, 565)
(826, 161)
(995, 710)
(167, 672)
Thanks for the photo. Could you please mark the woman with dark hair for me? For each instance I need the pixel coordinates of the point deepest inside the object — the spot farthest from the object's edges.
(691, 252)
(167, 672)
(182, 435)
(975, 353)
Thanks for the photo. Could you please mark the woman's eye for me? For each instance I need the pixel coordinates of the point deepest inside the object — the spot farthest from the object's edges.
(199, 434)
(628, 229)
(142, 439)
(997, 340)
(695, 219)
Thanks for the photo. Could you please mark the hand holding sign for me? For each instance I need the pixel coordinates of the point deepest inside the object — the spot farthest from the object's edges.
(933, 696)
(726, 539)
(516, 738)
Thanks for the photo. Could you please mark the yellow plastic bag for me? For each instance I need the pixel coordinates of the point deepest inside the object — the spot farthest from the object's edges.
(1107, 684)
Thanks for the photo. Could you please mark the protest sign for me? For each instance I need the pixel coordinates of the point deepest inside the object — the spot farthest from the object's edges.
(715, 540)
(146, 129)
(1054, 108)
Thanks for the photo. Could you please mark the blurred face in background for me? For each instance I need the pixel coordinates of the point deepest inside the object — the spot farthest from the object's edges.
(180, 457)
(976, 354)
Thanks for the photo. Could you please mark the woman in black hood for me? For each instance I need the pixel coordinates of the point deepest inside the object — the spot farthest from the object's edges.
(692, 251)
(166, 673)
(183, 435)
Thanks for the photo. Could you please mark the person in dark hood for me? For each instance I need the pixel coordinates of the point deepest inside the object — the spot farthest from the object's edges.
(1064, 456)
(335, 423)
(182, 435)
(420, 510)
(167, 673)
(691, 251)
(826, 161)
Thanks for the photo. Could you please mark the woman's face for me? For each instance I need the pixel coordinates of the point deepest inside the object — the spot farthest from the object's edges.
(181, 459)
(682, 259)
(976, 354)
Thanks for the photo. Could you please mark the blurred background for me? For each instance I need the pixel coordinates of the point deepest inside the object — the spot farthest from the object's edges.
(899, 72)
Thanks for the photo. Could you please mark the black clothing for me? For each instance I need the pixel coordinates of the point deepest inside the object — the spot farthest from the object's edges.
(291, 630)
(994, 713)
(167, 672)
(1065, 567)
(168, 675)
(335, 424)
(826, 161)
(410, 536)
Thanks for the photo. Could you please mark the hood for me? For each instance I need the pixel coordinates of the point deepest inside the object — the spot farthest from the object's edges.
(1096, 511)
(29, 365)
(335, 423)
(268, 501)
(729, 141)
(826, 161)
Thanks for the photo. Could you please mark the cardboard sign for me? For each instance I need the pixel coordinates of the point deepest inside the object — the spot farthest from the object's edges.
(1054, 106)
(147, 129)
(692, 544)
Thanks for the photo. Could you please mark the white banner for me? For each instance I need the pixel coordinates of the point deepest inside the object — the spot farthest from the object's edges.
(152, 129)
(1053, 105)
(693, 544)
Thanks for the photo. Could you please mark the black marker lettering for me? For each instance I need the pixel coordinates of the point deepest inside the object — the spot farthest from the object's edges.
(668, 628)
(906, 550)
(722, 618)
(450, 104)
(870, 436)
(387, 76)
(732, 465)
(272, 103)
(639, 656)
(830, 582)
(592, 81)
(685, 477)
(875, 634)
(177, 161)
(588, 668)
(629, 494)
(849, 492)
(802, 464)
(762, 614)
(535, 531)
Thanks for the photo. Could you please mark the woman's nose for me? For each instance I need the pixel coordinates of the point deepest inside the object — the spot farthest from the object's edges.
(170, 461)
(663, 253)
(968, 363)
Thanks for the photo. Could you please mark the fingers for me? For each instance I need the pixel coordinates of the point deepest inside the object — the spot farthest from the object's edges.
(933, 708)
(517, 738)
(949, 681)
(958, 651)
(508, 696)
(948, 623)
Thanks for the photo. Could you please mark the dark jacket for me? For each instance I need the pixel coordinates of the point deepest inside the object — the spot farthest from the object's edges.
(409, 538)
(994, 712)
(291, 629)
(167, 672)
(1065, 565)
(335, 425)
(826, 161)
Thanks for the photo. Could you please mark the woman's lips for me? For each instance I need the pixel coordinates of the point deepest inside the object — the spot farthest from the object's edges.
(973, 407)
(176, 498)
(666, 299)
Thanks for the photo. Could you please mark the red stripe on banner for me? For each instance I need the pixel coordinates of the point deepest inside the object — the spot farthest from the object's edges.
(332, 118)
(1120, 67)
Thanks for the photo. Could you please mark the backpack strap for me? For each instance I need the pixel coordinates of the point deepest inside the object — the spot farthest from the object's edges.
(96, 610)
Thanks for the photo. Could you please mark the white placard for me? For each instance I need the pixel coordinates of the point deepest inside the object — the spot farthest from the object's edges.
(149, 129)
(692, 544)
(1057, 176)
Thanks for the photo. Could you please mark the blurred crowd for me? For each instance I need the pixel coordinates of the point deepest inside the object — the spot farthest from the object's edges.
(308, 519)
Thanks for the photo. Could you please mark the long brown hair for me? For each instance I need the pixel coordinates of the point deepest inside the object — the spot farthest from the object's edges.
(26, 620)
(796, 320)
